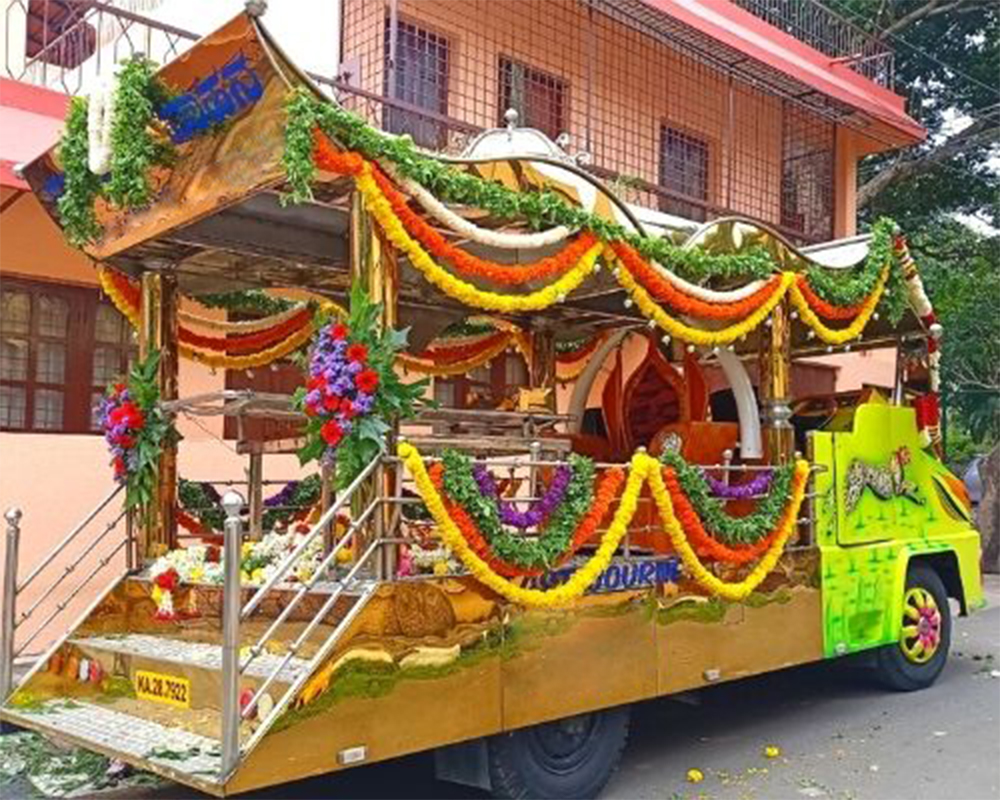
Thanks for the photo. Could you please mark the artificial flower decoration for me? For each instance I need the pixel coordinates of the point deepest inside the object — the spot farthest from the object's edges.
(136, 430)
(353, 393)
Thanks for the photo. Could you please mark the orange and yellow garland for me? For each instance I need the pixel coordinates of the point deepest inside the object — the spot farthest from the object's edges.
(125, 297)
(415, 237)
(643, 469)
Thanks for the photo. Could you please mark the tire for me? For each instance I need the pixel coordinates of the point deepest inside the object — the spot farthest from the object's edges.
(902, 666)
(568, 758)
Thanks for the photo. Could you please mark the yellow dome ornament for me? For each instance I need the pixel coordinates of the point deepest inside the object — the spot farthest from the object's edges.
(772, 751)
(695, 776)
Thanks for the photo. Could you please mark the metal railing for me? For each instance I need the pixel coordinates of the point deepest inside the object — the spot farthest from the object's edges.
(821, 28)
(67, 46)
(13, 618)
(354, 581)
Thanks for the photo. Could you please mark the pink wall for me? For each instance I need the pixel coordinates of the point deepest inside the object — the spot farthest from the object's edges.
(56, 479)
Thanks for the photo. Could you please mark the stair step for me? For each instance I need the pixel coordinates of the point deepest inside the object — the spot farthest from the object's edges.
(192, 654)
(126, 736)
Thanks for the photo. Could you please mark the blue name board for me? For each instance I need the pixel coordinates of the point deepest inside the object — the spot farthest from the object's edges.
(212, 100)
(617, 577)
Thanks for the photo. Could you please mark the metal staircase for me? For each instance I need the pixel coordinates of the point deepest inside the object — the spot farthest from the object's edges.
(239, 666)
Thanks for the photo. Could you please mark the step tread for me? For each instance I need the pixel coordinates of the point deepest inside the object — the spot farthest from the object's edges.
(130, 736)
(196, 654)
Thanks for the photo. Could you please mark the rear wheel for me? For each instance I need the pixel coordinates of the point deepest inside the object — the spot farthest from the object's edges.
(917, 658)
(568, 758)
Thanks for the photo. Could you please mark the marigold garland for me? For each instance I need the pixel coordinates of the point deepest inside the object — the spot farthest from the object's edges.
(642, 468)
(729, 590)
(640, 279)
(577, 583)
(219, 360)
(822, 307)
(852, 331)
(428, 367)
(506, 274)
(701, 541)
(679, 330)
(551, 544)
(608, 486)
(454, 287)
(665, 292)
(711, 510)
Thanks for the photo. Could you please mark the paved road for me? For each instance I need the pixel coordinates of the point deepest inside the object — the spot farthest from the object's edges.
(839, 736)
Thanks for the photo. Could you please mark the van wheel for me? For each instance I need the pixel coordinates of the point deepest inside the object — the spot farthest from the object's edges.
(917, 658)
(568, 758)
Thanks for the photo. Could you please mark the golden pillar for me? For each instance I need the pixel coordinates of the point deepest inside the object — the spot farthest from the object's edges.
(775, 386)
(542, 369)
(158, 331)
(375, 266)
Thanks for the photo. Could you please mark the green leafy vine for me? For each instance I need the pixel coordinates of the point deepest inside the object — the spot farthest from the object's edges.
(541, 552)
(135, 149)
(545, 208)
(712, 511)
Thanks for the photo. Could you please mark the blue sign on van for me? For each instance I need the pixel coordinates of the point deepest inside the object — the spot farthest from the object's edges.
(617, 577)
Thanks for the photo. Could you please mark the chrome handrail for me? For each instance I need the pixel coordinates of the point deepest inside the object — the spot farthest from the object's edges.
(70, 537)
(306, 586)
(327, 518)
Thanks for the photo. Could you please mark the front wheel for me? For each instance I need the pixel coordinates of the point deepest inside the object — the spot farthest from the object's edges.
(917, 658)
(568, 758)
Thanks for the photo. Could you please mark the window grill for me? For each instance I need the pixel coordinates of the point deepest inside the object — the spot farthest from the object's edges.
(537, 97)
(617, 78)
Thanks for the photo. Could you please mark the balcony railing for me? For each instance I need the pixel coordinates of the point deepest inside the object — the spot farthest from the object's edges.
(70, 45)
(822, 29)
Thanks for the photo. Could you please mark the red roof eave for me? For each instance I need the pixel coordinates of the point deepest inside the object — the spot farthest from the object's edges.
(31, 119)
(732, 26)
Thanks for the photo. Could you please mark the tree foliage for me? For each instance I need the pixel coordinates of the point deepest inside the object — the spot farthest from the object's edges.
(947, 63)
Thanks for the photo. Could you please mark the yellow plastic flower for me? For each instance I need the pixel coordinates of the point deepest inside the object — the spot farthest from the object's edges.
(257, 576)
(772, 751)
(695, 776)
(345, 554)
(197, 573)
(440, 568)
(157, 594)
(246, 549)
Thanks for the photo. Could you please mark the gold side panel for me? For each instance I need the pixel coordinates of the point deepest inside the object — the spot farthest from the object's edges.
(702, 640)
(600, 653)
(419, 667)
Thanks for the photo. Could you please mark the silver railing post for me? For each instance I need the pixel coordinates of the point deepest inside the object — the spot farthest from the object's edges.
(232, 503)
(13, 517)
(255, 477)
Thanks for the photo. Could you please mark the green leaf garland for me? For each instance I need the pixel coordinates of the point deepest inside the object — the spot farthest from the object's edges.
(545, 208)
(712, 511)
(134, 150)
(541, 552)
(76, 203)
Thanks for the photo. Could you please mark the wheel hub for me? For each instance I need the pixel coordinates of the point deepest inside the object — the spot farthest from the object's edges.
(920, 635)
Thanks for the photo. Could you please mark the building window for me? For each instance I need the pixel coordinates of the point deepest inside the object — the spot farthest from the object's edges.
(684, 171)
(807, 174)
(59, 347)
(418, 82)
(538, 98)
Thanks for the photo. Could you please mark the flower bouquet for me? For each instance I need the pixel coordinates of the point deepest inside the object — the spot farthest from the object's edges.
(136, 430)
(353, 392)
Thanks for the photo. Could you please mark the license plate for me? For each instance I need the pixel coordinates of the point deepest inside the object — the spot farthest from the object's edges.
(160, 688)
